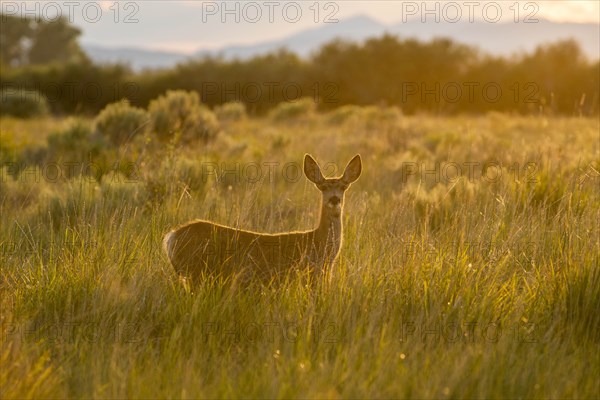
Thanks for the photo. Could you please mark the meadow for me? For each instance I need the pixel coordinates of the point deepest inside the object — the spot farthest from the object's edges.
(469, 268)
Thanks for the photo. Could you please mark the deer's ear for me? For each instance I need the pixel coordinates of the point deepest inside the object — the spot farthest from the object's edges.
(312, 170)
(353, 170)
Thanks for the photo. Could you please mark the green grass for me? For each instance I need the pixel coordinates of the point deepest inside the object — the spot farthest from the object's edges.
(446, 288)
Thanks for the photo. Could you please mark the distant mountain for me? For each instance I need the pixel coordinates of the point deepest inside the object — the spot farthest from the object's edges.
(499, 39)
(303, 43)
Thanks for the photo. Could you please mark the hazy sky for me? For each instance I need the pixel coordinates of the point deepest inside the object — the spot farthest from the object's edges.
(187, 26)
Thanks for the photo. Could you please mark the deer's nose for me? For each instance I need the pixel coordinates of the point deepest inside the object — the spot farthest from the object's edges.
(335, 200)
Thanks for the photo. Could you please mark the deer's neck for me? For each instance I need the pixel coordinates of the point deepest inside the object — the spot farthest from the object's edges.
(330, 227)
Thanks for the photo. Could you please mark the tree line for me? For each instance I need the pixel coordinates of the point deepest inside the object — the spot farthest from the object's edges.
(439, 76)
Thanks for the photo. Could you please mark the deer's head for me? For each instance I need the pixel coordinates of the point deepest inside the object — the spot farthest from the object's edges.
(332, 189)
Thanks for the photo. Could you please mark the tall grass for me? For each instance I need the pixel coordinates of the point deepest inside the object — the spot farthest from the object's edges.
(482, 285)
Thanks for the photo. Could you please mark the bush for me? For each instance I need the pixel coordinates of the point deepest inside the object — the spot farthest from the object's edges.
(23, 103)
(376, 116)
(180, 112)
(27, 188)
(79, 148)
(200, 124)
(298, 109)
(8, 147)
(120, 122)
(75, 132)
(231, 111)
(367, 116)
(343, 114)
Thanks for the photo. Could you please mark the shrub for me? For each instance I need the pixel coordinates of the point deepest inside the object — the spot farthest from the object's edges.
(343, 114)
(231, 111)
(23, 103)
(298, 109)
(8, 147)
(77, 146)
(376, 116)
(367, 116)
(200, 124)
(75, 133)
(180, 112)
(27, 188)
(120, 122)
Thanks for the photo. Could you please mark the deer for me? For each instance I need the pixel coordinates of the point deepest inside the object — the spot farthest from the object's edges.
(202, 248)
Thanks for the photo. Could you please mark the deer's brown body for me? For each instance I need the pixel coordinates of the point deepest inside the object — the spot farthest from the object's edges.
(203, 247)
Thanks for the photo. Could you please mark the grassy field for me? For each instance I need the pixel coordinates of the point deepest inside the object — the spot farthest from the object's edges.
(469, 269)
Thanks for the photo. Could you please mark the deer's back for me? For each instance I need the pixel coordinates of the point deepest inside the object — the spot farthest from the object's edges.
(204, 247)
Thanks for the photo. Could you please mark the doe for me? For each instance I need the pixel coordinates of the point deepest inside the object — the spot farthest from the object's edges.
(204, 248)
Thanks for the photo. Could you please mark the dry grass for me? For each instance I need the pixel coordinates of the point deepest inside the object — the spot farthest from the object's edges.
(481, 286)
